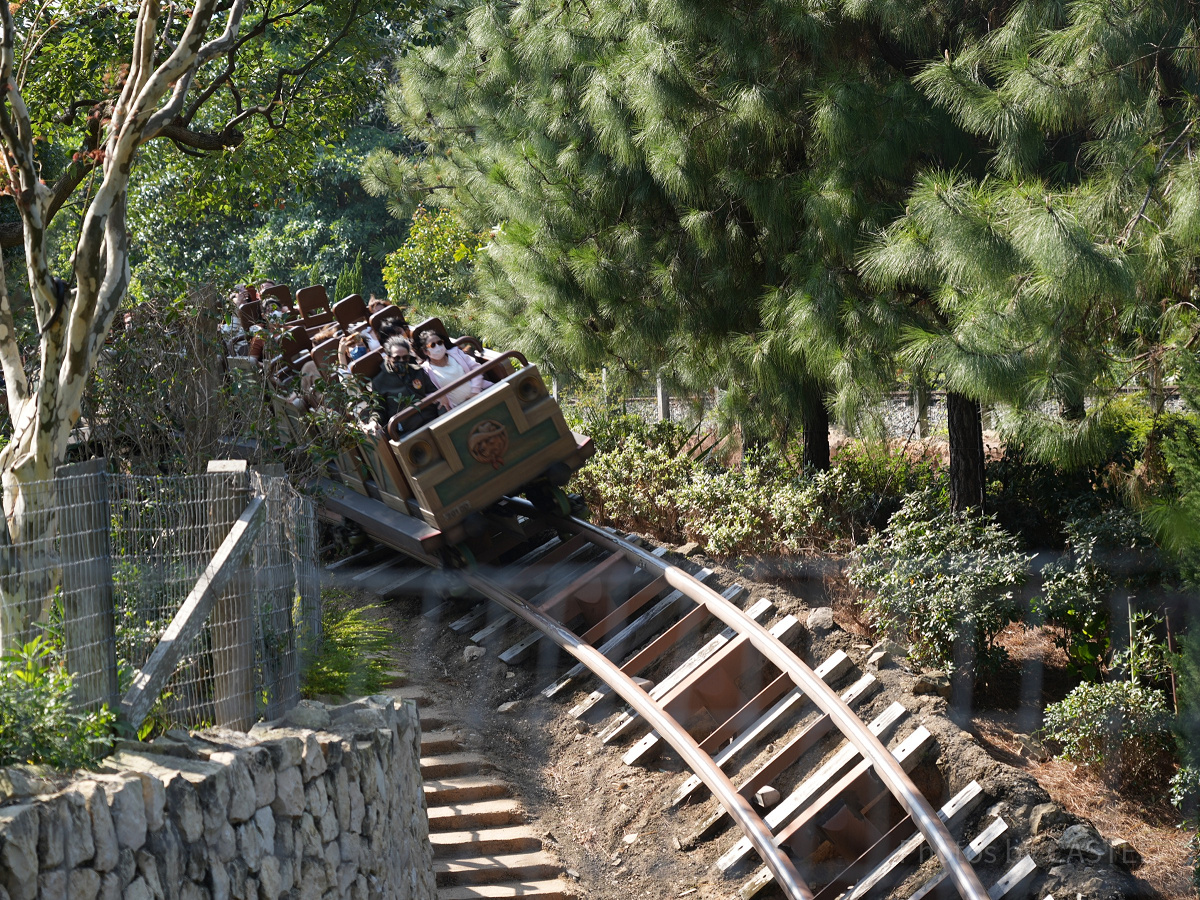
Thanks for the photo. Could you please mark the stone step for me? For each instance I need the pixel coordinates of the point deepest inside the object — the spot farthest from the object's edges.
(521, 867)
(509, 839)
(476, 814)
(448, 765)
(440, 741)
(414, 692)
(541, 890)
(467, 789)
(434, 719)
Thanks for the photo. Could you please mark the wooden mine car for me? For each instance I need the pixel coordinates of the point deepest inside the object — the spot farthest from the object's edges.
(440, 487)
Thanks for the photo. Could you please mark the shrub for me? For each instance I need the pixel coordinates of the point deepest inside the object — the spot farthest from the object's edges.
(1185, 796)
(643, 484)
(609, 429)
(1118, 729)
(635, 486)
(881, 480)
(37, 721)
(942, 581)
(730, 511)
(349, 660)
(1034, 500)
(1104, 552)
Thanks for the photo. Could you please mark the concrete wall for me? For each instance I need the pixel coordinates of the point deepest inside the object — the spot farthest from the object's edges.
(326, 806)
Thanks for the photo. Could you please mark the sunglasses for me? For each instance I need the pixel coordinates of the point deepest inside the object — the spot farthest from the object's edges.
(436, 342)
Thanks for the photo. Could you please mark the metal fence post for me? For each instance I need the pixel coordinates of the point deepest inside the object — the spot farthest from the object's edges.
(277, 631)
(920, 399)
(232, 623)
(89, 618)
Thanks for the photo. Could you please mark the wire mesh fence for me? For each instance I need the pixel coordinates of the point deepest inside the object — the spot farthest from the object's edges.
(104, 562)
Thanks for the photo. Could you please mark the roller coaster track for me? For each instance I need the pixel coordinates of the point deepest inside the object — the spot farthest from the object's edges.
(622, 612)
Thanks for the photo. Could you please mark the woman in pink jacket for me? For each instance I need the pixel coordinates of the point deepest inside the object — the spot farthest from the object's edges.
(446, 364)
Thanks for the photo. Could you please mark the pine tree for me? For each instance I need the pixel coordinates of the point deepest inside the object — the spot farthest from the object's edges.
(686, 186)
(1066, 271)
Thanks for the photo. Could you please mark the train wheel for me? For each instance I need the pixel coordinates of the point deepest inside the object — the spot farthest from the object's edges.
(562, 502)
(549, 498)
(459, 556)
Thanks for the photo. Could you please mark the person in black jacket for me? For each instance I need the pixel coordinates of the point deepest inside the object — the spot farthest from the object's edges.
(400, 383)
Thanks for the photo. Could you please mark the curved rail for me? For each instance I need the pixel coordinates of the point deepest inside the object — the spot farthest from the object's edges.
(698, 761)
(852, 728)
(578, 541)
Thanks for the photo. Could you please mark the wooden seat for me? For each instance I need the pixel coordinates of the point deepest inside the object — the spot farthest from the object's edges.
(313, 301)
(313, 324)
(351, 313)
(387, 315)
(293, 342)
(367, 366)
(250, 314)
(279, 294)
(325, 355)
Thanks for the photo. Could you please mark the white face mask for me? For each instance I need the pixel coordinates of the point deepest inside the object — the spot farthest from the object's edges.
(436, 352)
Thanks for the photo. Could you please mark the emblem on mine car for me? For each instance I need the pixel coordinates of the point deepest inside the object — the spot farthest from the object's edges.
(488, 442)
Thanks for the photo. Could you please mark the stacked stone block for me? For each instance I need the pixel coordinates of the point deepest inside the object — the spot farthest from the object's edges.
(326, 804)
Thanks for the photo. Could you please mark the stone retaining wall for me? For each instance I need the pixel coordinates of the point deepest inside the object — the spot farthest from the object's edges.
(326, 804)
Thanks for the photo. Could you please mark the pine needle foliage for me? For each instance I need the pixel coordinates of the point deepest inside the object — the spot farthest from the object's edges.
(684, 186)
(1065, 271)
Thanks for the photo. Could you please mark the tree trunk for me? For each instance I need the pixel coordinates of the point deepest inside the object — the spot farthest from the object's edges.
(964, 419)
(1072, 410)
(28, 563)
(815, 428)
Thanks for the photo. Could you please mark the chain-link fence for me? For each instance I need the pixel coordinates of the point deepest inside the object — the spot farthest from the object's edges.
(107, 562)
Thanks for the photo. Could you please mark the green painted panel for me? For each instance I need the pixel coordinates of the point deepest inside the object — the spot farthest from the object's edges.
(474, 473)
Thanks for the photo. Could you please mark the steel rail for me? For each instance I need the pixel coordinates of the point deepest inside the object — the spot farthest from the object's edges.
(685, 745)
(826, 699)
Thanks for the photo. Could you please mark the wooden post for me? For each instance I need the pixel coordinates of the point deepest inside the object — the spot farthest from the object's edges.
(89, 615)
(664, 400)
(233, 612)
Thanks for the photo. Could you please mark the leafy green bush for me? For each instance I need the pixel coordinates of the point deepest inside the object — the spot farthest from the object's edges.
(611, 428)
(757, 508)
(1119, 729)
(431, 271)
(942, 581)
(1104, 552)
(867, 485)
(350, 657)
(1185, 796)
(636, 486)
(731, 512)
(37, 721)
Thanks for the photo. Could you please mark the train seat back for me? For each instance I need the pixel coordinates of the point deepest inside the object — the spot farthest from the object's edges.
(351, 313)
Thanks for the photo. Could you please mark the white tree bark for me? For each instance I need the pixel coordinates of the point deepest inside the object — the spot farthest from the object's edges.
(73, 324)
